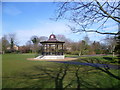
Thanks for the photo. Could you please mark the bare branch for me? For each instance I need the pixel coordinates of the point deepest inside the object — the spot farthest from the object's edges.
(84, 30)
(87, 14)
(106, 12)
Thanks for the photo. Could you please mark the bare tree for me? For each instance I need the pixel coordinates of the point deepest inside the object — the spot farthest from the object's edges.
(35, 40)
(4, 43)
(0, 46)
(67, 41)
(43, 38)
(86, 14)
(111, 43)
(12, 40)
(86, 39)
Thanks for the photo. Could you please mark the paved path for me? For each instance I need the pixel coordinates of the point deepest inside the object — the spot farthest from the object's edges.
(90, 64)
(88, 55)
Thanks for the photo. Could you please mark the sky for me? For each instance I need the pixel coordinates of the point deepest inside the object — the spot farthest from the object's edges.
(27, 19)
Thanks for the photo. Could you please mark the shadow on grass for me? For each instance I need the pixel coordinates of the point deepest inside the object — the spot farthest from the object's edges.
(95, 62)
(115, 60)
(64, 73)
(62, 77)
(108, 58)
(59, 78)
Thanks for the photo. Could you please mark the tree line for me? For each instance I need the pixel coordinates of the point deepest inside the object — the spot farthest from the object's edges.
(81, 47)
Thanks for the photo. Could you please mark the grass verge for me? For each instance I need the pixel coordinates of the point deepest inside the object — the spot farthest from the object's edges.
(21, 73)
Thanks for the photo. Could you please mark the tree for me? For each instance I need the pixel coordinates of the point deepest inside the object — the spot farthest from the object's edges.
(24, 49)
(35, 40)
(43, 38)
(117, 47)
(12, 41)
(83, 48)
(96, 46)
(67, 44)
(86, 39)
(61, 37)
(0, 46)
(11, 44)
(29, 45)
(86, 14)
(111, 43)
(5, 43)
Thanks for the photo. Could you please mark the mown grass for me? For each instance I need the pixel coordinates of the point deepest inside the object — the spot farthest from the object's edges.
(107, 58)
(21, 73)
(100, 59)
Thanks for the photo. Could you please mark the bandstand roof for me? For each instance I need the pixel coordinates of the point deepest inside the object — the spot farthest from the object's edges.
(52, 39)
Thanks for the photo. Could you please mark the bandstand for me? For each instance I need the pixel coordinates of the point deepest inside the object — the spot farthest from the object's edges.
(52, 49)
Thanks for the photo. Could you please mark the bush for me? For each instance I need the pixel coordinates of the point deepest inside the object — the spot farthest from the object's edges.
(12, 51)
(67, 52)
(75, 53)
(8, 51)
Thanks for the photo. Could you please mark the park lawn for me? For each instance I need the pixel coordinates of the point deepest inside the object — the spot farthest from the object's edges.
(108, 59)
(21, 73)
(100, 59)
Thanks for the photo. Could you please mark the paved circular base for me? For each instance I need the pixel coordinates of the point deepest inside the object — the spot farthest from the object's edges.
(65, 59)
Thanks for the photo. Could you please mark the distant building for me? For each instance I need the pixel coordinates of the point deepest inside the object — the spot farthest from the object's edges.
(15, 47)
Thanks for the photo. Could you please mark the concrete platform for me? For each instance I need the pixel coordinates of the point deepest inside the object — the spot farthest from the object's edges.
(65, 59)
(50, 57)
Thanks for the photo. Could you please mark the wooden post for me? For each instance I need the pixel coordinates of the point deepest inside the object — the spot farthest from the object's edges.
(46, 49)
(49, 49)
(57, 49)
(43, 49)
(62, 49)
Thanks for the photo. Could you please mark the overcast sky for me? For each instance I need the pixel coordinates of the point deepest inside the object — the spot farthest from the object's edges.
(33, 18)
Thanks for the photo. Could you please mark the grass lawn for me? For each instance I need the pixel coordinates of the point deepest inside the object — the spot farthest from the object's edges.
(100, 59)
(21, 73)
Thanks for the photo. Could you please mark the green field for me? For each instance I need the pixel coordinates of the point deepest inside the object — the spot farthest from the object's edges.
(21, 73)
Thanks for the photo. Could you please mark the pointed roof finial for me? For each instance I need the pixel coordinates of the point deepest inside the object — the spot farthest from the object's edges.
(52, 37)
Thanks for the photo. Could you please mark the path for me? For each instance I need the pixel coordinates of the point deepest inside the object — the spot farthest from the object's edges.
(88, 55)
(89, 64)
